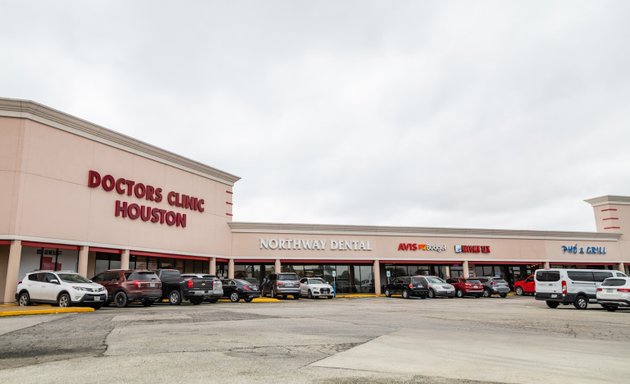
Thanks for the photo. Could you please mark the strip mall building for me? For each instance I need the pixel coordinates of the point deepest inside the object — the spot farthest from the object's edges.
(77, 196)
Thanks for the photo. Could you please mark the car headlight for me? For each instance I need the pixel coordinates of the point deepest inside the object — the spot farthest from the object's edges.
(82, 289)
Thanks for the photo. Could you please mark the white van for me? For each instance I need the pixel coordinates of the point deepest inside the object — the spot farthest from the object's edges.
(570, 286)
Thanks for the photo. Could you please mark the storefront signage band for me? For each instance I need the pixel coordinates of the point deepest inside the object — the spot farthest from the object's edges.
(574, 249)
(472, 249)
(421, 247)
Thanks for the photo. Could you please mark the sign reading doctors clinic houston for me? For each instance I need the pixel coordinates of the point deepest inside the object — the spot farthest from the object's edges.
(315, 245)
(141, 191)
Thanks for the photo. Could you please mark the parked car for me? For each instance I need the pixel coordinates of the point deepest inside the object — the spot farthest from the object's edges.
(614, 293)
(525, 286)
(125, 286)
(408, 286)
(466, 286)
(315, 287)
(437, 286)
(570, 286)
(215, 290)
(63, 288)
(494, 286)
(237, 289)
(281, 284)
(176, 288)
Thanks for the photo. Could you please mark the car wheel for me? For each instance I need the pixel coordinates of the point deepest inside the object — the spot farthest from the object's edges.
(310, 294)
(486, 293)
(196, 300)
(552, 304)
(388, 293)
(431, 293)
(63, 301)
(234, 297)
(296, 296)
(423, 297)
(519, 291)
(249, 299)
(477, 296)
(581, 302)
(175, 297)
(24, 299)
(459, 293)
(121, 299)
(405, 294)
(213, 300)
(146, 303)
(503, 295)
(611, 308)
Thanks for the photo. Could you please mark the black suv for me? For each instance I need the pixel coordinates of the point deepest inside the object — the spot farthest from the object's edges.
(408, 286)
(281, 284)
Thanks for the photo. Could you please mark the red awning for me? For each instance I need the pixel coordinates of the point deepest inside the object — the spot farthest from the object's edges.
(49, 245)
(167, 255)
(422, 262)
(324, 261)
(505, 262)
(106, 250)
(254, 261)
(5, 242)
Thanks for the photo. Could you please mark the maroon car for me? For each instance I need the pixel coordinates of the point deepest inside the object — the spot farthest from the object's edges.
(125, 286)
(466, 286)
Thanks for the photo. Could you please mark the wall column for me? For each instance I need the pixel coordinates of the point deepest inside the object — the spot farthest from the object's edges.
(376, 272)
(82, 267)
(465, 268)
(124, 259)
(213, 265)
(447, 272)
(13, 270)
(277, 266)
(546, 265)
(621, 267)
(230, 268)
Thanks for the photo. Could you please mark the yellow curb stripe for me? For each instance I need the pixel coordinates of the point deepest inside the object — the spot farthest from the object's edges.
(47, 311)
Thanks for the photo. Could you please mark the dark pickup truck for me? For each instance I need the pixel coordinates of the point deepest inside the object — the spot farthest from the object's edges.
(176, 288)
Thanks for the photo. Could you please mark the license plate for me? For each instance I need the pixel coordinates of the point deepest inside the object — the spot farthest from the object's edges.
(152, 285)
(97, 298)
(554, 296)
(610, 291)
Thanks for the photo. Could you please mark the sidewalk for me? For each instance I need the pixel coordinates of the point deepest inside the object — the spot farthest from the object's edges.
(15, 310)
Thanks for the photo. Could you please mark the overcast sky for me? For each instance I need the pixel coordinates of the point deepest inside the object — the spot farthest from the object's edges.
(414, 113)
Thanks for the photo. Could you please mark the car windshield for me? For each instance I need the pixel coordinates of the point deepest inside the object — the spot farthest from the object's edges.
(288, 277)
(72, 278)
(143, 276)
(316, 281)
(473, 281)
(435, 280)
(611, 282)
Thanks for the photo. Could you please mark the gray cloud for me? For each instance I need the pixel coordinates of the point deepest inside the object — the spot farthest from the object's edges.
(466, 114)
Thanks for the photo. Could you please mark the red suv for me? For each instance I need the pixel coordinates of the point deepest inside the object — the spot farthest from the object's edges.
(124, 286)
(527, 286)
(466, 286)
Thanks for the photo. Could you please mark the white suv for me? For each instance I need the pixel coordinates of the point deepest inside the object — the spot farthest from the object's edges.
(614, 293)
(315, 287)
(570, 286)
(64, 288)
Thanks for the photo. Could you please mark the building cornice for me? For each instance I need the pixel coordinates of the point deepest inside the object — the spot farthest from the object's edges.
(608, 199)
(359, 230)
(27, 109)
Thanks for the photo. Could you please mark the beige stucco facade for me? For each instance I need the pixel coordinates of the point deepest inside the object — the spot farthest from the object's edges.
(52, 204)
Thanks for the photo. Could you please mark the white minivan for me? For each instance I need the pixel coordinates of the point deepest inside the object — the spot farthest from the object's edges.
(570, 286)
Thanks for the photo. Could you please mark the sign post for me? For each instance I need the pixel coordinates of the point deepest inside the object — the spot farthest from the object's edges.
(389, 274)
(334, 274)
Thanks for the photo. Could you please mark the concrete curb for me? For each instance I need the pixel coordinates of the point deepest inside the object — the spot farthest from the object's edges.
(6, 311)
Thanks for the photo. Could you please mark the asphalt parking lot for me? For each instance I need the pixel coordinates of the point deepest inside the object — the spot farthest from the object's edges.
(370, 340)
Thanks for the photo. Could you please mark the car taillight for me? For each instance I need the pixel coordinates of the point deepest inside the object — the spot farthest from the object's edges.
(189, 284)
(410, 286)
(136, 283)
(564, 287)
(279, 283)
(600, 289)
(467, 285)
(624, 290)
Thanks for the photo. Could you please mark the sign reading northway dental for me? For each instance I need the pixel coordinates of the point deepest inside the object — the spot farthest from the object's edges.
(315, 245)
